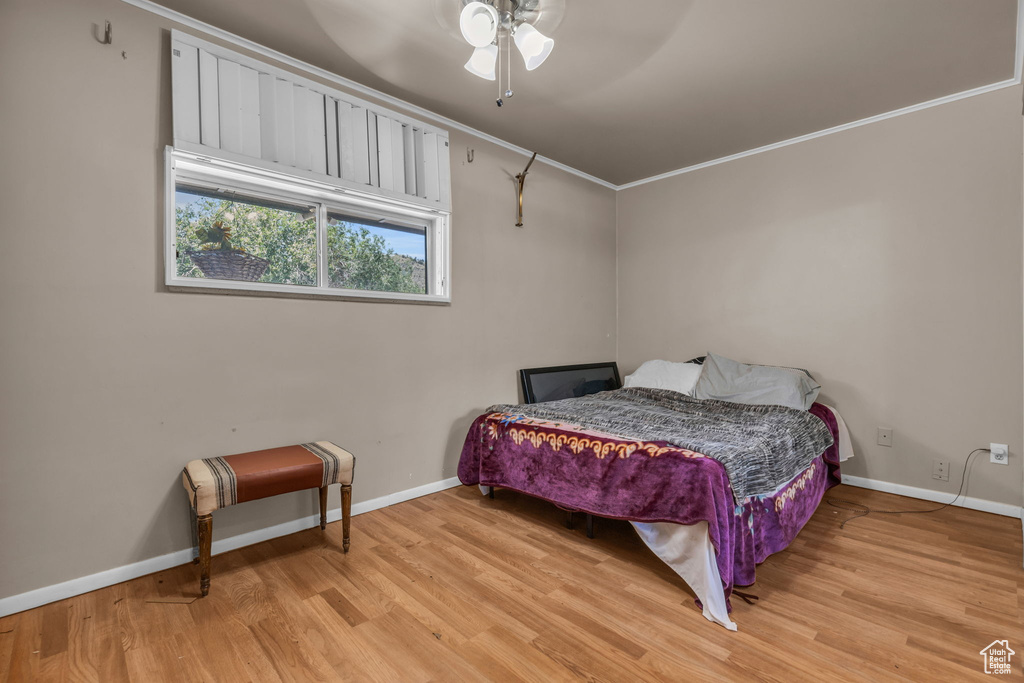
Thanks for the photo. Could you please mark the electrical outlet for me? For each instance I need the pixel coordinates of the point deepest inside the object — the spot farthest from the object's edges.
(940, 470)
(884, 436)
(999, 453)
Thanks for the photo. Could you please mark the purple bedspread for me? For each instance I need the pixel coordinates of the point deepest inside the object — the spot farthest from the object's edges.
(647, 482)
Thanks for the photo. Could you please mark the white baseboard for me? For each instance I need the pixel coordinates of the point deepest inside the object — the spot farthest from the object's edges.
(1004, 509)
(85, 584)
(400, 497)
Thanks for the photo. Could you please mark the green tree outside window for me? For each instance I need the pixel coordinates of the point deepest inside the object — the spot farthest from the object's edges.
(357, 258)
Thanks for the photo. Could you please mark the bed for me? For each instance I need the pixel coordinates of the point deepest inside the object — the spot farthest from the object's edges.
(704, 509)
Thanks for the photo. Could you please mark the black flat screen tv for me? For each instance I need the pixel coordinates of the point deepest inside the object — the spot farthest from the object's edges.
(568, 381)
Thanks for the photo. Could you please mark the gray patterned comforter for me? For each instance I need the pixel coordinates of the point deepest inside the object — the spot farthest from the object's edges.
(761, 447)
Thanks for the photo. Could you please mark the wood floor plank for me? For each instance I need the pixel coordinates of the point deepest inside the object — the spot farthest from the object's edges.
(362, 588)
(54, 669)
(145, 622)
(495, 557)
(95, 642)
(234, 639)
(197, 657)
(24, 658)
(498, 650)
(344, 608)
(291, 661)
(671, 666)
(8, 626)
(587, 659)
(352, 656)
(577, 614)
(658, 626)
(413, 647)
(456, 586)
(82, 638)
(54, 637)
(153, 661)
(441, 598)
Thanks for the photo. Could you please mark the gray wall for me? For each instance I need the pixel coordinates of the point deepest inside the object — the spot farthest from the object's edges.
(109, 384)
(885, 259)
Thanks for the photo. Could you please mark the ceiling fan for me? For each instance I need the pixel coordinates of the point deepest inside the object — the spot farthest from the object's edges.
(490, 25)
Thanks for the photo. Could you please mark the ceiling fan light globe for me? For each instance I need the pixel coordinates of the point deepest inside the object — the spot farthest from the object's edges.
(533, 45)
(479, 23)
(482, 61)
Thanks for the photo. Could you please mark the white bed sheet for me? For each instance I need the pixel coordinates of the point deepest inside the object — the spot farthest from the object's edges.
(688, 550)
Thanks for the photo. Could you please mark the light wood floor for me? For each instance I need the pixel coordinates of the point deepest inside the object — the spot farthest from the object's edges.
(457, 587)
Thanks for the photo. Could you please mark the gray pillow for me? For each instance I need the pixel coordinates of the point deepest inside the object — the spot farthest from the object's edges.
(729, 380)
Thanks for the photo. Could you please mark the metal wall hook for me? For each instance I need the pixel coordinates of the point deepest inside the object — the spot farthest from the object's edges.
(470, 153)
(521, 180)
(108, 35)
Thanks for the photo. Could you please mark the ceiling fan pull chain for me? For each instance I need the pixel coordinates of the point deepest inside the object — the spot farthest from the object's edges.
(508, 58)
(508, 61)
(497, 74)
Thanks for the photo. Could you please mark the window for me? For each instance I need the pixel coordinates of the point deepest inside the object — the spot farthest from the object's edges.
(232, 227)
(222, 235)
(376, 255)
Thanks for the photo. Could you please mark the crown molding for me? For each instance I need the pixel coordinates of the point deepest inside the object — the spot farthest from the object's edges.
(390, 100)
(1016, 80)
(348, 84)
(828, 131)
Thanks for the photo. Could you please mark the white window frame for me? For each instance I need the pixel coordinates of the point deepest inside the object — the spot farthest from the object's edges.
(201, 171)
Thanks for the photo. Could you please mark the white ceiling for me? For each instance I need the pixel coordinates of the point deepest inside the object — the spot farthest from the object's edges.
(634, 89)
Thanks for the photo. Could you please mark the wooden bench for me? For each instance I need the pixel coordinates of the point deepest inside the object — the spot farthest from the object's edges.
(214, 483)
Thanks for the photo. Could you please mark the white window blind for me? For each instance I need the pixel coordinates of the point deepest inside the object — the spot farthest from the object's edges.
(230, 106)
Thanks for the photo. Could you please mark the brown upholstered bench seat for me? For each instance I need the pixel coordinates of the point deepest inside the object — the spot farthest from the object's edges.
(214, 483)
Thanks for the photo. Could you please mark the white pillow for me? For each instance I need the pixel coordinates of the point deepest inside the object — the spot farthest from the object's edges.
(663, 374)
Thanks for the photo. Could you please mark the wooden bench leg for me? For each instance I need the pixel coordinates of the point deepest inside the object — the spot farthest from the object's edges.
(346, 514)
(590, 525)
(193, 525)
(204, 529)
(323, 508)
